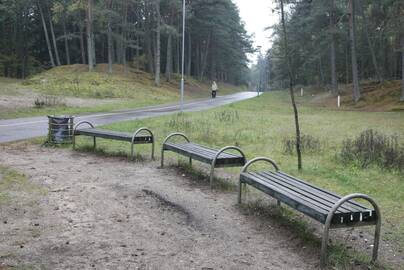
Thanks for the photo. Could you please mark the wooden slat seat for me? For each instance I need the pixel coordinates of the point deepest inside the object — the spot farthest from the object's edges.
(216, 158)
(134, 138)
(114, 135)
(206, 154)
(328, 208)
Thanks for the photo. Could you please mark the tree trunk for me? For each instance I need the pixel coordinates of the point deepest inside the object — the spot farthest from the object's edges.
(83, 51)
(54, 39)
(158, 49)
(292, 94)
(66, 39)
(356, 94)
(169, 61)
(334, 81)
(189, 65)
(109, 37)
(371, 48)
(402, 67)
(45, 29)
(90, 36)
(124, 37)
(204, 56)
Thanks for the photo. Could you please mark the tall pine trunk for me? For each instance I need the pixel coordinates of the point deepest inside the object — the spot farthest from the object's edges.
(82, 49)
(124, 37)
(158, 49)
(402, 67)
(67, 51)
(90, 36)
(169, 61)
(292, 94)
(55, 46)
(371, 47)
(356, 94)
(45, 29)
(189, 65)
(334, 81)
(109, 37)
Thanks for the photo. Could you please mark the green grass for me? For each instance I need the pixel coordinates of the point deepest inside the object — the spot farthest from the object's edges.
(135, 89)
(259, 126)
(12, 182)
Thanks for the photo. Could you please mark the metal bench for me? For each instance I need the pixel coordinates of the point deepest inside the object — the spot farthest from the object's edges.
(327, 208)
(216, 158)
(133, 138)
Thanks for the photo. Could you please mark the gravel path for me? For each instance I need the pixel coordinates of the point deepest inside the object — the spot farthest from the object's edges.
(108, 213)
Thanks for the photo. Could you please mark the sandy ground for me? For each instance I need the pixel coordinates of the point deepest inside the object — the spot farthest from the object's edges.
(26, 99)
(107, 213)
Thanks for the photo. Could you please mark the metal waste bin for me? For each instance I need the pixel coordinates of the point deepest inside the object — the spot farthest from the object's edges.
(60, 129)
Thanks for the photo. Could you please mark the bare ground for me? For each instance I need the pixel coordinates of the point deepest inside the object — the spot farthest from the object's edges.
(108, 213)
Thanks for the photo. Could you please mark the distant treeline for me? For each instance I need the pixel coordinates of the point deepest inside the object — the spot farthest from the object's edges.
(338, 41)
(145, 34)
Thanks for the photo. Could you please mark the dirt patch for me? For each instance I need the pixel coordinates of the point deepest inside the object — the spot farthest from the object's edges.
(26, 99)
(108, 213)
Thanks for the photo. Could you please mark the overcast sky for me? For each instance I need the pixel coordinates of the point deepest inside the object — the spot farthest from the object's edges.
(257, 15)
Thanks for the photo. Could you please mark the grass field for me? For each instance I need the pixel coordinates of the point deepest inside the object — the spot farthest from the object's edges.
(121, 91)
(259, 126)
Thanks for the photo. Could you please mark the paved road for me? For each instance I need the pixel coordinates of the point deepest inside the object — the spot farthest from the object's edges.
(26, 128)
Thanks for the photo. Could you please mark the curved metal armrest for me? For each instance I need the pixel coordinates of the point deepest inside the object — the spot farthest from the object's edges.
(330, 216)
(81, 123)
(213, 165)
(176, 134)
(140, 130)
(268, 160)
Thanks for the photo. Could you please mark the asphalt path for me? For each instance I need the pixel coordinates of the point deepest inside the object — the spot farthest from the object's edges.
(31, 127)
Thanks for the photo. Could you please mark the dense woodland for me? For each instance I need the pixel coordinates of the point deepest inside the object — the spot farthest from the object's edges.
(335, 42)
(144, 34)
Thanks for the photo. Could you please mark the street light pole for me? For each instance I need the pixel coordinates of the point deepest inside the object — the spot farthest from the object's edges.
(183, 56)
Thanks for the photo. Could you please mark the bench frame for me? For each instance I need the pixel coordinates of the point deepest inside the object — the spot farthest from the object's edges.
(213, 163)
(132, 150)
(327, 225)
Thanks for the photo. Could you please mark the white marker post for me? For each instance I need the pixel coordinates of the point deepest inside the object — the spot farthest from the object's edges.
(339, 101)
(301, 91)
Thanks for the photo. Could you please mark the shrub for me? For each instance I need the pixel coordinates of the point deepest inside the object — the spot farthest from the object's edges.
(308, 144)
(371, 147)
(227, 116)
(48, 101)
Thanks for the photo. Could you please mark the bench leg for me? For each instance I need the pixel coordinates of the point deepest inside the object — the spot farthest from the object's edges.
(132, 151)
(94, 143)
(152, 152)
(239, 192)
(190, 162)
(212, 175)
(324, 247)
(162, 158)
(74, 142)
(278, 203)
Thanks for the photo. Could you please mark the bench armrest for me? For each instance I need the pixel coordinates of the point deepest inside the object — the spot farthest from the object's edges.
(327, 225)
(176, 134)
(268, 160)
(82, 123)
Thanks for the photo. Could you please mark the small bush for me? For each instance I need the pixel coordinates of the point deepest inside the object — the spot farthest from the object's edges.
(227, 116)
(308, 144)
(371, 147)
(48, 101)
(179, 122)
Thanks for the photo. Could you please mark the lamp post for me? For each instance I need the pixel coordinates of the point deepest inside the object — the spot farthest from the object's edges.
(183, 56)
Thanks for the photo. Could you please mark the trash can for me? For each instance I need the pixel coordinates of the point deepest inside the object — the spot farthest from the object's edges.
(60, 129)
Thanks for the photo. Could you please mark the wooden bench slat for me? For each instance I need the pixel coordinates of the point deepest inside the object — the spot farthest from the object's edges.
(302, 192)
(308, 190)
(204, 154)
(114, 135)
(331, 194)
(293, 201)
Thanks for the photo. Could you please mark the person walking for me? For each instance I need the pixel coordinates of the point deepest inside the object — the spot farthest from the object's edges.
(214, 89)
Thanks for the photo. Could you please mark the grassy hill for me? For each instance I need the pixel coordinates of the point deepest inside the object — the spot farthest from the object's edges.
(73, 90)
(375, 97)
